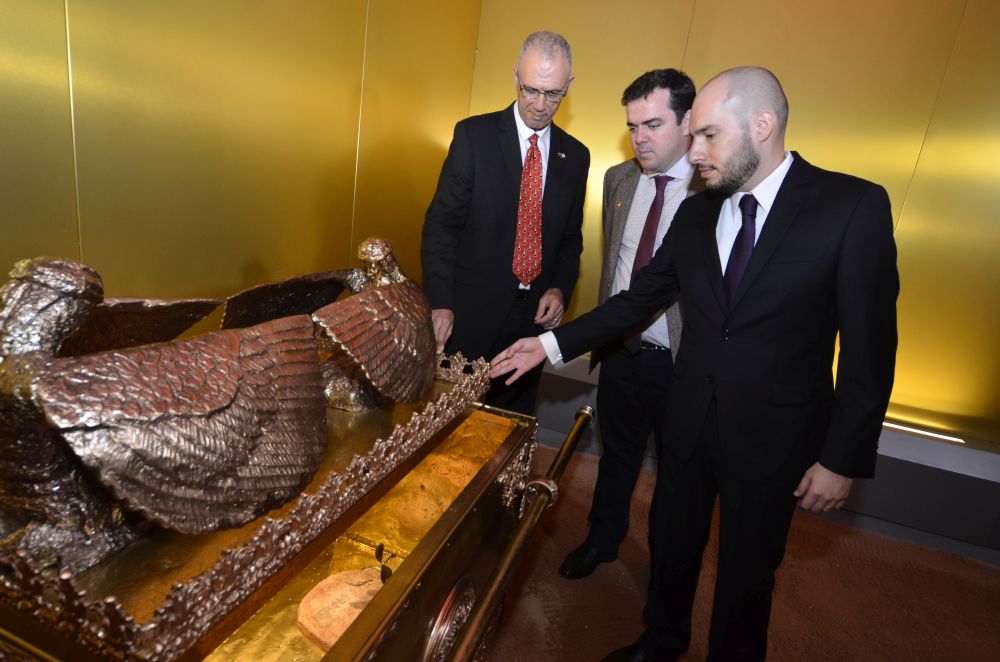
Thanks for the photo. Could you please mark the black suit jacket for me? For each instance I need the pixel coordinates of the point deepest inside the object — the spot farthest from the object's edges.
(825, 263)
(468, 236)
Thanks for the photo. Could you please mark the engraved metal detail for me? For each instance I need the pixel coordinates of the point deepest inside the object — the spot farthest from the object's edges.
(512, 478)
(103, 627)
(450, 619)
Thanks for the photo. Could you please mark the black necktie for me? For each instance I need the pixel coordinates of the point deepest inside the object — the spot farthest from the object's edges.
(739, 257)
(644, 253)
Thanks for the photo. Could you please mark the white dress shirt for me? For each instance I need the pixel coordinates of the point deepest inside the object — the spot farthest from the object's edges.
(674, 194)
(730, 220)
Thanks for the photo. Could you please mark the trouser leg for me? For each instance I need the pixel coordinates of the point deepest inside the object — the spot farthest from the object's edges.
(753, 529)
(631, 397)
(681, 519)
(521, 395)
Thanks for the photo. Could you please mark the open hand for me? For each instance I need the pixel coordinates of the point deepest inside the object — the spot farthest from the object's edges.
(519, 358)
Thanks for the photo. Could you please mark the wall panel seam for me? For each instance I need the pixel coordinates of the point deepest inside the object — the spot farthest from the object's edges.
(357, 142)
(72, 130)
(930, 117)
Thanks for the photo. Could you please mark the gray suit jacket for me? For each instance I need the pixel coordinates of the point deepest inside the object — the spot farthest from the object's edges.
(620, 182)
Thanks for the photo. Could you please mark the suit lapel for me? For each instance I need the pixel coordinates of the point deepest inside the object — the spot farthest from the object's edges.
(510, 147)
(555, 173)
(783, 213)
(624, 193)
(710, 247)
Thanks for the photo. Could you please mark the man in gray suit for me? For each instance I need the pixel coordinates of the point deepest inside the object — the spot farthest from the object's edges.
(640, 198)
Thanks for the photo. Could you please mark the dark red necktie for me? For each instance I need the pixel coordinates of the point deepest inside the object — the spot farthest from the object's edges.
(644, 253)
(528, 240)
(739, 257)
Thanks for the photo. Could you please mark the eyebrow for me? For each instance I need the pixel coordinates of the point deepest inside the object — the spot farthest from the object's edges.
(646, 122)
(707, 127)
(535, 89)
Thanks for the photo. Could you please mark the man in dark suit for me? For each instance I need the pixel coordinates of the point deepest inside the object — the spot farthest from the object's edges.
(641, 196)
(754, 418)
(482, 272)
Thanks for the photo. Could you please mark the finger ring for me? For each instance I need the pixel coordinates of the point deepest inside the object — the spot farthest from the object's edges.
(827, 509)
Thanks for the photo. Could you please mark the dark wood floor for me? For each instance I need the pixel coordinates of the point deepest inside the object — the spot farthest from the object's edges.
(842, 594)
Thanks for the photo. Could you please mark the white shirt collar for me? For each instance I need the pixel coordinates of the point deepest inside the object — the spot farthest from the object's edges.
(681, 170)
(766, 191)
(524, 131)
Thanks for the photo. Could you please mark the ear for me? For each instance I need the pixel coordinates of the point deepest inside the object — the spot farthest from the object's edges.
(763, 125)
(570, 82)
(686, 124)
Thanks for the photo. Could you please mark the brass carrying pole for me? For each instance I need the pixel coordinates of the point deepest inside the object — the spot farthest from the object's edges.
(542, 492)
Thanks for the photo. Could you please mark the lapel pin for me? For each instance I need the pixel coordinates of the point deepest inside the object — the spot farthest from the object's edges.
(560, 155)
(618, 203)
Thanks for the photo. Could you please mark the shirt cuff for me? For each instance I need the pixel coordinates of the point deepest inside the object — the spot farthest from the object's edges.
(551, 347)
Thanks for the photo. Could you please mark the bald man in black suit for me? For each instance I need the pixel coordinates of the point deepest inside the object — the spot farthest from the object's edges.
(770, 264)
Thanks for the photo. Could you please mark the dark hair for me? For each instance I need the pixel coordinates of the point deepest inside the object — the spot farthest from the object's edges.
(681, 89)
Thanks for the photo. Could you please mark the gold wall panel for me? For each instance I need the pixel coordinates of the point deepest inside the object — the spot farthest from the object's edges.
(867, 83)
(418, 72)
(215, 141)
(37, 190)
(948, 235)
(861, 77)
(189, 148)
(610, 49)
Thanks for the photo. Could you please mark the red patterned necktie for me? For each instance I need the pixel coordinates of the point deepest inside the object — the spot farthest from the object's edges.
(528, 241)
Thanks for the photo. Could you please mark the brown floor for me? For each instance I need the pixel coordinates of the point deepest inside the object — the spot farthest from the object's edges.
(841, 594)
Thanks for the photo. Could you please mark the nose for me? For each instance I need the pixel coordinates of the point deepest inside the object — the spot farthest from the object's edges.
(539, 104)
(697, 152)
(640, 135)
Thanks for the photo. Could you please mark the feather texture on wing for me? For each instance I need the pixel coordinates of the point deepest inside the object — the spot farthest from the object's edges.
(386, 330)
(198, 434)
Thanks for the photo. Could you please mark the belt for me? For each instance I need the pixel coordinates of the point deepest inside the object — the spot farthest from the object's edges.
(653, 346)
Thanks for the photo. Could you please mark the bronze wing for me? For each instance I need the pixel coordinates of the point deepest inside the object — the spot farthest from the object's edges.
(299, 295)
(118, 323)
(387, 332)
(198, 434)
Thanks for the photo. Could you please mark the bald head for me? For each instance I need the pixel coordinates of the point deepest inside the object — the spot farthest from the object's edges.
(749, 90)
(738, 129)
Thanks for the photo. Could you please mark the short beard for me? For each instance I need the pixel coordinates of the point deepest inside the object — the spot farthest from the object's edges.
(738, 169)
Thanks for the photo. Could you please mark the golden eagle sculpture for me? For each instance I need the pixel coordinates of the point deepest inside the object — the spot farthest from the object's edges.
(195, 435)
(106, 428)
(384, 333)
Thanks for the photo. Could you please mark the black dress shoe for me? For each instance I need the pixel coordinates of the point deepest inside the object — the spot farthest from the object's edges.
(581, 561)
(639, 653)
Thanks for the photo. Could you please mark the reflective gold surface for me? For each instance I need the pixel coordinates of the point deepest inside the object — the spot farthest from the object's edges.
(418, 70)
(37, 189)
(141, 575)
(898, 92)
(398, 521)
(215, 143)
(948, 375)
(216, 146)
